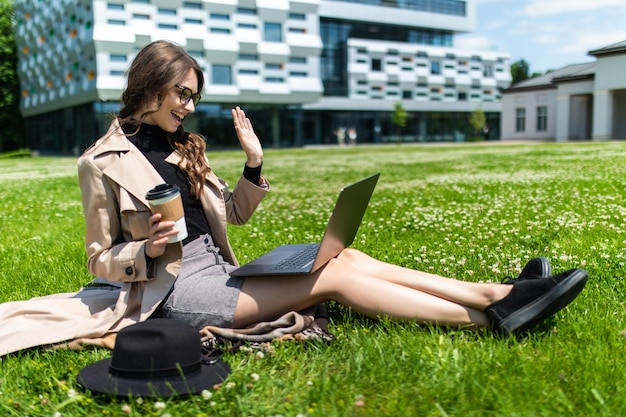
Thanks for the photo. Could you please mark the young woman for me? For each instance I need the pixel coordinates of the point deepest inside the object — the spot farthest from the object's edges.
(147, 145)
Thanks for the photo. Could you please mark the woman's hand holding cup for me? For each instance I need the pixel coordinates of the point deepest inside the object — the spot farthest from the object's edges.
(160, 233)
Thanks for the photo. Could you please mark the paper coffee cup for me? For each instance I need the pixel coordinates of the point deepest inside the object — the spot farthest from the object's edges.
(165, 199)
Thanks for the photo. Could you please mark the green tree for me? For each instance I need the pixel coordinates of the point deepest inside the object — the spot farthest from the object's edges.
(399, 117)
(519, 71)
(12, 132)
(477, 122)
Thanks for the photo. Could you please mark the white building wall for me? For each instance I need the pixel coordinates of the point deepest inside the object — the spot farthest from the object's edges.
(85, 59)
(402, 71)
(573, 109)
(529, 101)
(610, 72)
(609, 78)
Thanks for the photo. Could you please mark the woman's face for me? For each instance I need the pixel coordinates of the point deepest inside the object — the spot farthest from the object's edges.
(172, 111)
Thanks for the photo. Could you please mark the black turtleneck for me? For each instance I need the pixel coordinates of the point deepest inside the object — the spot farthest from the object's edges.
(152, 142)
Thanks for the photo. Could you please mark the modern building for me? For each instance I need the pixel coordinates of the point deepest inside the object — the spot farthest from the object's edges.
(306, 71)
(578, 102)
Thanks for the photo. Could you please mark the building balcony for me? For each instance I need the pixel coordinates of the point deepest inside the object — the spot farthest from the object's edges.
(248, 36)
(304, 44)
(435, 79)
(463, 80)
(304, 6)
(273, 10)
(273, 51)
(488, 82)
(221, 6)
(305, 85)
(358, 68)
(377, 77)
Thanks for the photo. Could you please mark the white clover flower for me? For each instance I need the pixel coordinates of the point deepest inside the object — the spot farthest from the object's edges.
(57, 414)
(230, 385)
(260, 355)
(139, 400)
(71, 393)
(126, 408)
(255, 377)
(206, 394)
(159, 405)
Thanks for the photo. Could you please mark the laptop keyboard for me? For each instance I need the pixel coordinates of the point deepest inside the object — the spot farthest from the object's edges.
(299, 259)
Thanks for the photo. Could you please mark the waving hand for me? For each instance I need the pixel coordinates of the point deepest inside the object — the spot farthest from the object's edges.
(247, 138)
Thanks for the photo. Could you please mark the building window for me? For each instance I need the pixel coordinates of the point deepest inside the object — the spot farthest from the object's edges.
(167, 26)
(273, 32)
(220, 74)
(274, 80)
(542, 119)
(193, 21)
(114, 6)
(222, 31)
(407, 94)
(271, 66)
(192, 5)
(117, 58)
(116, 22)
(248, 57)
(196, 53)
(297, 16)
(488, 71)
(297, 60)
(246, 10)
(377, 64)
(245, 71)
(168, 12)
(298, 74)
(435, 67)
(246, 25)
(219, 16)
(520, 120)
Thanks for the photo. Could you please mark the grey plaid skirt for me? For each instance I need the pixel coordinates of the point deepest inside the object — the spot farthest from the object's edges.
(204, 293)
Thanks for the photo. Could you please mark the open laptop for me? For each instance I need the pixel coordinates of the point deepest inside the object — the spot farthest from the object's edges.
(340, 232)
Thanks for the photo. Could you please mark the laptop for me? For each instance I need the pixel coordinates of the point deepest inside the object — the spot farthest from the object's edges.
(294, 259)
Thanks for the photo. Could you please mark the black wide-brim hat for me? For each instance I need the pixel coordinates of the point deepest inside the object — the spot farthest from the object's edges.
(155, 358)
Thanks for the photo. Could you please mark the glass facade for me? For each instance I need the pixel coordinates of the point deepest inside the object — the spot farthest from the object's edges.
(335, 33)
(450, 7)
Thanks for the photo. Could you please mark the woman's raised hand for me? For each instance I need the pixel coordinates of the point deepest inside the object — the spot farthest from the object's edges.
(248, 139)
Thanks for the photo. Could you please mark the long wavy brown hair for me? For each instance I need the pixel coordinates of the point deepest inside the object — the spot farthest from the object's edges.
(157, 68)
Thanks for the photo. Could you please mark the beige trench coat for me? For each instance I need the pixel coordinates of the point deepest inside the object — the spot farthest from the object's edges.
(114, 177)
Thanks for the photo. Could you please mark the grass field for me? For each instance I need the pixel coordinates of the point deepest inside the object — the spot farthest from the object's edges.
(474, 212)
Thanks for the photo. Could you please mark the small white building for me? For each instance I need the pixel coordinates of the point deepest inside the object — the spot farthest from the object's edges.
(577, 102)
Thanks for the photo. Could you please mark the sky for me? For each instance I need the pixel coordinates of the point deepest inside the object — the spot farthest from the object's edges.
(548, 34)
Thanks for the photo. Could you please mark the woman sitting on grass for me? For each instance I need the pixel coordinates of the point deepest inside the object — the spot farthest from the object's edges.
(147, 145)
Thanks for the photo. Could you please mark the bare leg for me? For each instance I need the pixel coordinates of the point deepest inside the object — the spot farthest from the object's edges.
(269, 297)
(472, 294)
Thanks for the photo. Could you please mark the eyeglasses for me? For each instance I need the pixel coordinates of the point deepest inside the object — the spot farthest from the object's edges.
(186, 94)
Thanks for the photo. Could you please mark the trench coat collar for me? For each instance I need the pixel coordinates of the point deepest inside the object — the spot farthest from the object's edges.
(135, 173)
(131, 170)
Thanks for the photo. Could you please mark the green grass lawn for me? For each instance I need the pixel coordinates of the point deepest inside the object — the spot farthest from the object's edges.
(475, 212)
